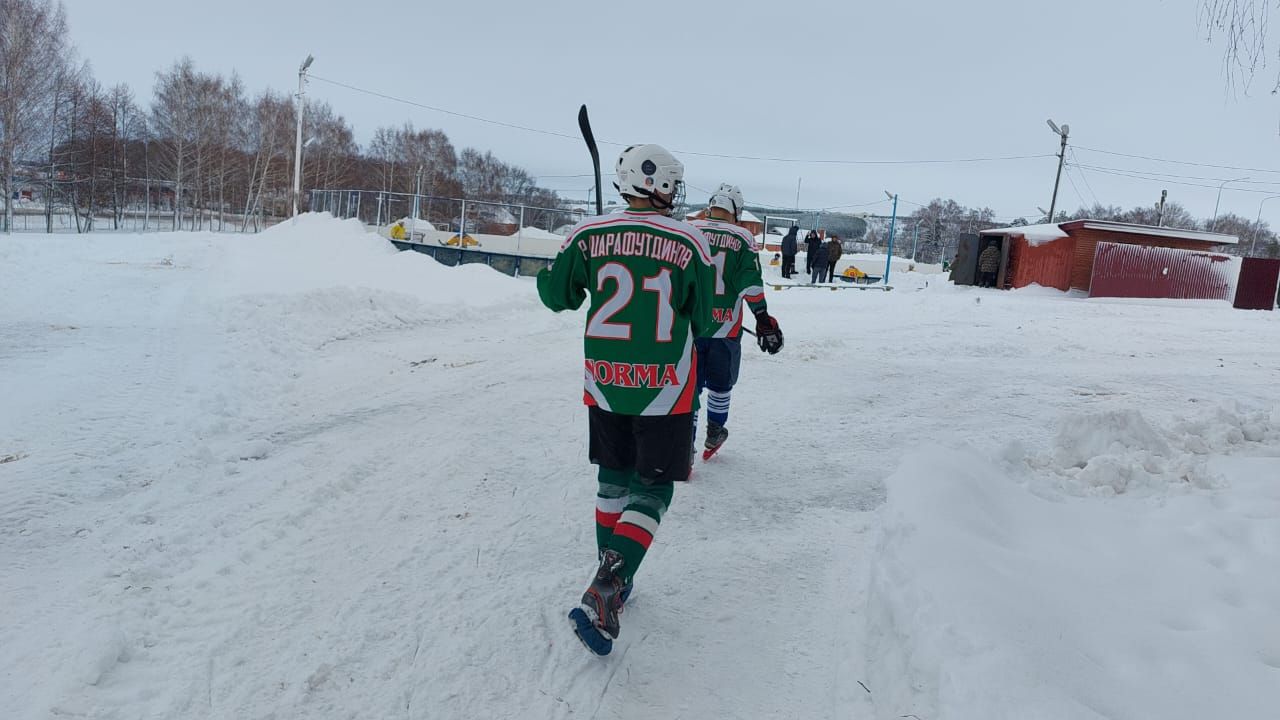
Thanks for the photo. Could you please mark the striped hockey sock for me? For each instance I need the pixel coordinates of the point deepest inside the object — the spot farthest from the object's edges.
(611, 500)
(635, 528)
(718, 406)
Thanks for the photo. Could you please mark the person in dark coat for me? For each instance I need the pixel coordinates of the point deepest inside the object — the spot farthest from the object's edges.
(834, 251)
(818, 259)
(812, 242)
(789, 248)
(989, 265)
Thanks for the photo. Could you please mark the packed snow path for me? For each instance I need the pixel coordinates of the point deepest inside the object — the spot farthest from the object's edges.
(299, 475)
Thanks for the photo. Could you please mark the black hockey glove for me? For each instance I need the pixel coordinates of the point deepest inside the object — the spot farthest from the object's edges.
(768, 334)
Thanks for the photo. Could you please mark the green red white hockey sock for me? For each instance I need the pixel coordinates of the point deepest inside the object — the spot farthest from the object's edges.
(627, 523)
(611, 500)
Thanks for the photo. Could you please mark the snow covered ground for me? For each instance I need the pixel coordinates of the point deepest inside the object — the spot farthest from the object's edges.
(299, 475)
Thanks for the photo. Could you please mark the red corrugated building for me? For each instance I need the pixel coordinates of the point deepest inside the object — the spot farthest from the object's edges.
(1063, 256)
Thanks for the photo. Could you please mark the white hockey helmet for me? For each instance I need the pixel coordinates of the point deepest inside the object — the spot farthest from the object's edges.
(644, 170)
(727, 197)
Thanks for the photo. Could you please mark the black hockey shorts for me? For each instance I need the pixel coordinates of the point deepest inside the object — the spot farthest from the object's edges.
(659, 447)
(719, 360)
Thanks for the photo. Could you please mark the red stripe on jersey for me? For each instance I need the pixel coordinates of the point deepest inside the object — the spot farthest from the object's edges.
(755, 298)
(635, 533)
(588, 400)
(685, 403)
(605, 519)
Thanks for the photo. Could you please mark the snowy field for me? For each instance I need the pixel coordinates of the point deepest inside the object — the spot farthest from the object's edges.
(299, 475)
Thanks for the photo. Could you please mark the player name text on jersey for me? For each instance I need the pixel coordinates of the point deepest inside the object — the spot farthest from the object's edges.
(638, 244)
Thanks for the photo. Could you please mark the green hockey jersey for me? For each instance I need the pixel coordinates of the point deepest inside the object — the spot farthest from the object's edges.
(736, 262)
(650, 280)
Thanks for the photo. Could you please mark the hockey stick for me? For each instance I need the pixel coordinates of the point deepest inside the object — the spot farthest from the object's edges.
(584, 124)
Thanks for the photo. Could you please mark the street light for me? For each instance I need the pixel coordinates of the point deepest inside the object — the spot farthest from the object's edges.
(297, 150)
(1214, 223)
(1062, 132)
(893, 222)
(1257, 225)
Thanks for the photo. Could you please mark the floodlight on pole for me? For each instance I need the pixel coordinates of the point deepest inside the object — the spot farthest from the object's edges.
(1062, 132)
(1217, 203)
(1257, 225)
(297, 149)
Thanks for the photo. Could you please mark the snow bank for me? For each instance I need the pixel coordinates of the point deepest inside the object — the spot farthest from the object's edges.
(1035, 234)
(996, 595)
(320, 252)
(322, 280)
(537, 233)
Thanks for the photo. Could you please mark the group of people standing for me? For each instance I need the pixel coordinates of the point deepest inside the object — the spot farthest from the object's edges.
(820, 256)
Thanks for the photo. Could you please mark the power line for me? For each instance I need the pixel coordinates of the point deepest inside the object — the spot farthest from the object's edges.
(1159, 175)
(722, 156)
(1085, 178)
(1174, 162)
(816, 161)
(1075, 189)
(1133, 176)
(442, 110)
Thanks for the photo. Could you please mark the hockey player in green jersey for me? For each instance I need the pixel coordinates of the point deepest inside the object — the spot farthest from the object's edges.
(649, 280)
(736, 261)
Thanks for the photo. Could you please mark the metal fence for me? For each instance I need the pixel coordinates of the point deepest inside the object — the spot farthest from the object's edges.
(424, 215)
(1135, 271)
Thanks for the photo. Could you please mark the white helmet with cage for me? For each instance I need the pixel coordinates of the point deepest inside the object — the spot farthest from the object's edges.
(727, 197)
(644, 170)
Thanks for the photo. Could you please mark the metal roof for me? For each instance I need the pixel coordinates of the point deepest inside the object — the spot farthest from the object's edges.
(1118, 227)
(1151, 230)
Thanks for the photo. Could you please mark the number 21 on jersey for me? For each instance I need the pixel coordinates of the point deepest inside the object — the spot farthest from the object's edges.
(601, 325)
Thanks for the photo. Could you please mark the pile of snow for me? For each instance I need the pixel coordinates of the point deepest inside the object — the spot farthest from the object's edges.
(1036, 235)
(418, 225)
(537, 233)
(327, 279)
(1129, 572)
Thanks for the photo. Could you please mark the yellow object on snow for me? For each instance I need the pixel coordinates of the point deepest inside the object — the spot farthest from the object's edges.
(397, 231)
(853, 272)
(467, 241)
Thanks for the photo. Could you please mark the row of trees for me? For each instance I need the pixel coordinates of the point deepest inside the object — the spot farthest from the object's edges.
(935, 229)
(203, 150)
(1250, 231)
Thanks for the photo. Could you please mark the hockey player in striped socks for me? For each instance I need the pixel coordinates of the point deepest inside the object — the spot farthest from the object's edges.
(736, 261)
(648, 277)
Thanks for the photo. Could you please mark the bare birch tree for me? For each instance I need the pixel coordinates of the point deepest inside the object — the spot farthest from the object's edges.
(1243, 26)
(32, 53)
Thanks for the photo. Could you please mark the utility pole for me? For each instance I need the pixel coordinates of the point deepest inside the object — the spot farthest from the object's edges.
(798, 181)
(1062, 159)
(417, 202)
(1164, 194)
(297, 147)
(893, 222)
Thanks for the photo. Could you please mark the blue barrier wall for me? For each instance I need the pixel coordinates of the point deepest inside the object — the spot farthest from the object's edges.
(514, 265)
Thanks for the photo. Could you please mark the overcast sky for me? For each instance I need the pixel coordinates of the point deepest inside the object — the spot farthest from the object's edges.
(928, 80)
